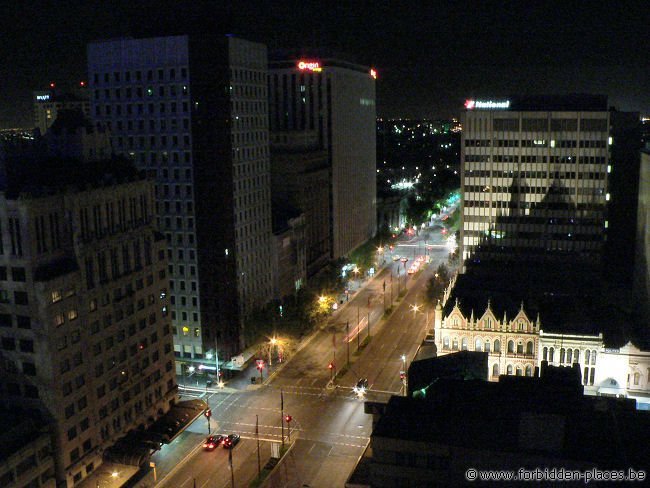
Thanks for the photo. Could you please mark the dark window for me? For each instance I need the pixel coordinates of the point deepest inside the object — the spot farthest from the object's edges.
(29, 369)
(18, 274)
(23, 322)
(5, 320)
(20, 298)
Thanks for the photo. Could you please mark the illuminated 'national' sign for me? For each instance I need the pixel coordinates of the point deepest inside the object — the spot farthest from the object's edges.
(486, 104)
(309, 66)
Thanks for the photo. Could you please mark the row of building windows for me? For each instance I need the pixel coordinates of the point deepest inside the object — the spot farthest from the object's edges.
(154, 126)
(161, 109)
(587, 175)
(538, 124)
(479, 345)
(553, 143)
(140, 92)
(517, 370)
(512, 158)
(541, 239)
(138, 75)
(568, 355)
(547, 206)
(573, 224)
(17, 274)
(123, 260)
(534, 189)
(151, 142)
(19, 297)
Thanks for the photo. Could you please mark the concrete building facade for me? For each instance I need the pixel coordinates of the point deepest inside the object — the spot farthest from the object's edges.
(335, 100)
(193, 113)
(299, 177)
(48, 103)
(84, 314)
(25, 453)
(534, 177)
(518, 346)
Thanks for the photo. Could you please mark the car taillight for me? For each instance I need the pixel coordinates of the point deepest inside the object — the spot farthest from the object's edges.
(205, 445)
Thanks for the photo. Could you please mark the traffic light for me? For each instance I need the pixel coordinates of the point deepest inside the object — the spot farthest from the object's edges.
(287, 418)
(330, 365)
(402, 375)
(208, 413)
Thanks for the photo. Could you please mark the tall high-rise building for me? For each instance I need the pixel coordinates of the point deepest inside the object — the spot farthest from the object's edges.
(193, 113)
(534, 177)
(85, 330)
(335, 100)
(47, 104)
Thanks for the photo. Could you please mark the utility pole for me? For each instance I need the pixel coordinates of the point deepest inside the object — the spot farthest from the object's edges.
(358, 327)
(232, 471)
(398, 282)
(282, 416)
(257, 435)
(216, 360)
(347, 335)
(368, 318)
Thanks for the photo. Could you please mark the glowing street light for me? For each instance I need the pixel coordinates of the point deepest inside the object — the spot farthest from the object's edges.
(272, 342)
(415, 308)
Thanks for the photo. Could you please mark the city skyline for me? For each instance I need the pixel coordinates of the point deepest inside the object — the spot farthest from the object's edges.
(443, 54)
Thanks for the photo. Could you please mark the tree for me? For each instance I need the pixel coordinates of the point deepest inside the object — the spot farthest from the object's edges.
(438, 284)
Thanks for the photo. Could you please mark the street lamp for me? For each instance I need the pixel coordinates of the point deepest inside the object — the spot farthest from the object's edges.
(415, 308)
(272, 342)
(403, 374)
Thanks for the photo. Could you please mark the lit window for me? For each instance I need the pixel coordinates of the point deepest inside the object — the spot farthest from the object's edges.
(186, 330)
(56, 296)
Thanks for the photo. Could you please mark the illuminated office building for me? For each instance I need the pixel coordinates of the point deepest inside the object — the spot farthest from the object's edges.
(85, 330)
(333, 101)
(534, 178)
(193, 113)
(48, 103)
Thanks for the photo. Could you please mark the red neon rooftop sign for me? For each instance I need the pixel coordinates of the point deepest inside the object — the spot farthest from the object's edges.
(309, 66)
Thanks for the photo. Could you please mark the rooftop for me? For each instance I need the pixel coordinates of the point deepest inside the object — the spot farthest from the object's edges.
(578, 102)
(37, 176)
(528, 416)
(567, 299)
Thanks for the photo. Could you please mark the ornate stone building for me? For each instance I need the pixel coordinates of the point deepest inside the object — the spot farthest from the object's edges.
(511, 343)
(518, 345)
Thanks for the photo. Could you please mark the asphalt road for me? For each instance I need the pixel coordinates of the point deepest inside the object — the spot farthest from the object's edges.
(328, 421)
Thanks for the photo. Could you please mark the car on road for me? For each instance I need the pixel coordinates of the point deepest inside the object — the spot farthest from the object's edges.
(212, 442)
(230, 441)
(361, 386)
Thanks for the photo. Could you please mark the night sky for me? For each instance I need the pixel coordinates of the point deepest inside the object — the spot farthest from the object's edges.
(430, 56)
